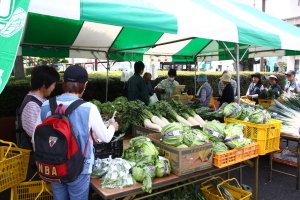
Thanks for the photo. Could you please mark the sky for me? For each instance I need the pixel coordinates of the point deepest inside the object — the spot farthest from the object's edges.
(277, 8)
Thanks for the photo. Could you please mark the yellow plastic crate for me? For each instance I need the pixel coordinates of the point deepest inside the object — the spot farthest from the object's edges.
(13, 165)
(266, 135)
(32, 190)
(265, 103)
(213, 192)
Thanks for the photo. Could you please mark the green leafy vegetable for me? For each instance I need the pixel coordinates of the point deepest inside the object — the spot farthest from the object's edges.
(182, 146)
(144, 174)
(172, 134)
(219, 147)
(162, 167)
(260, 117)
(232, 110)
(216, 130)
(193, 138)
(235, 137)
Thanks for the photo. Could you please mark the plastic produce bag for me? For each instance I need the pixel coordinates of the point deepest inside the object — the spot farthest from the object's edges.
(118, 175)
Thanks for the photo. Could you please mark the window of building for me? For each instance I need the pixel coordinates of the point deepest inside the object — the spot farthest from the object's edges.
(297, 63)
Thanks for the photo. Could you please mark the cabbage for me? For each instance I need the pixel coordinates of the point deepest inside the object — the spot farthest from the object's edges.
(193, 138)
(182, 146)
(144, 174)
(129, 154)
(223, 106)
(142, 159)
(137, 142)
(246, 112)
(162, 167)
(149, 149)
(215, 129)
(235, 137)
(232, 110)
(219, 147)
(260, 117)
(172, 134)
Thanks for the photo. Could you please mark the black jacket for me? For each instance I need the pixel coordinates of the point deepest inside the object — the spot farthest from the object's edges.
(137, 89)
(227, 95)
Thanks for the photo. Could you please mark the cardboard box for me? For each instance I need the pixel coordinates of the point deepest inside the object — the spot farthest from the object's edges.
(177, 89)
(106, 117)
(139, 131)
(185, 160)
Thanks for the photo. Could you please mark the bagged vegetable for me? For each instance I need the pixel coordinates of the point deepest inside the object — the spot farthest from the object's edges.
(118, 174)
(100, 167)
(232, 110)
(219, 147)
(162, 167)
(260, 117)
(171, 134)
(144, 174)
(235, 137)
(216, 130)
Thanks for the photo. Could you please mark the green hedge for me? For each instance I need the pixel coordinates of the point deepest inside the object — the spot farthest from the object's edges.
(14, 92)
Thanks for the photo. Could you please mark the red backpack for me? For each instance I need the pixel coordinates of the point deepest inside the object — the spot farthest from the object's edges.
(57, 154)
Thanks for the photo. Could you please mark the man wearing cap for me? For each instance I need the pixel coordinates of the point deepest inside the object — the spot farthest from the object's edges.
(221, 85)
(205, 91)
(83, 119)
(228, 93)
(137, 87)
(292, 85)
(255, 85)
(274, 83)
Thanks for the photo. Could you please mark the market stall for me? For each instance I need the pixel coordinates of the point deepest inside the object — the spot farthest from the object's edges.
(169, 31)
(132, 191)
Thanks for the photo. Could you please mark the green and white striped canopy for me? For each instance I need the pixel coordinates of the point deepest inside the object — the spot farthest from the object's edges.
(157, 30)
(131, 30)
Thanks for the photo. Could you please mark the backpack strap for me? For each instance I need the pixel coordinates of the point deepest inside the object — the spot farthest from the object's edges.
(53, 105)
(74, 105)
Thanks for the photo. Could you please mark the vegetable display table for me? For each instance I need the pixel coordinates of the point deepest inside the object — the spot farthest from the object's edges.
(288, 138)
(130, 192)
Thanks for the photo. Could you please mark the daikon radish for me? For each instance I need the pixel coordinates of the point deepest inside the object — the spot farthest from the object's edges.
(182, 120)
(191, 112)
(165, 120)
(199, 119)
(193, 121)
(149, 124)
(158, 121)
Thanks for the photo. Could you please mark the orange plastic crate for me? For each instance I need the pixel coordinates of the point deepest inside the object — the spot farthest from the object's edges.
(266, 135)
(235, 156)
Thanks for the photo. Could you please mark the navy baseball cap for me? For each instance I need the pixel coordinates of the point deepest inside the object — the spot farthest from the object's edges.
(290, 72)
(76, 73)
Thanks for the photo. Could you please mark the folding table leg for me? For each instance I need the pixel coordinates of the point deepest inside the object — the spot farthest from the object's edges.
(271, 167)
(298, 165)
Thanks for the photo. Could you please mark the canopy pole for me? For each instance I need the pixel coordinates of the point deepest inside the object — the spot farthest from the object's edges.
(228, 51)
(237, 52)
(106, 88)
(196, 75)
(196, 69)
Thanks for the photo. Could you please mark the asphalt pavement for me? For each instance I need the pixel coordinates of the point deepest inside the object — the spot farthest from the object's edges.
(282, 187)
